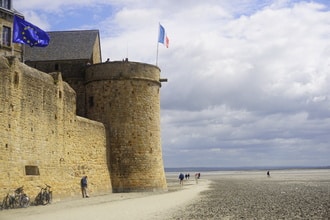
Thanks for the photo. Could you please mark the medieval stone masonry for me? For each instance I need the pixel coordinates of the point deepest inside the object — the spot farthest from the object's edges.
(125, 96)
(42, 140)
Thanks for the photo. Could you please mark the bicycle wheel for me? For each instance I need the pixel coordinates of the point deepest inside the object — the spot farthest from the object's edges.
(18, 201)
(8, 202)
(37, 200)
(12, 201)
(25, 201)
(44, 198)
(5, 202)
(49, 197)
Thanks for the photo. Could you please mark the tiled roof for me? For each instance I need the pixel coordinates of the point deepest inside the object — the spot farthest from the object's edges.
(65, 45)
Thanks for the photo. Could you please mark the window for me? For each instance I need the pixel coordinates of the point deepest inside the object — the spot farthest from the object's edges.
(32, 170)
(5, 4)
(91, 101)
(16, 78)
(6, 36)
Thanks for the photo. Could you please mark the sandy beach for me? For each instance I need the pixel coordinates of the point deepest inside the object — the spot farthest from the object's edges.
(147, 205)
(292, 194)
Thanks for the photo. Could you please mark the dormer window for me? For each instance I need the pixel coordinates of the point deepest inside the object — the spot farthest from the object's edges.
(5, 4)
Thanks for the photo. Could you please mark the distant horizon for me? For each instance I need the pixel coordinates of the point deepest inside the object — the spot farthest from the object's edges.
(175, 169)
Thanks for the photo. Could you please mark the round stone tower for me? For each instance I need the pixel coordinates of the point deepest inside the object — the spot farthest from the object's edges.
(125, 97)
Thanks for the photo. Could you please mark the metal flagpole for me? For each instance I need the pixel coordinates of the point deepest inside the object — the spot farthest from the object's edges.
(157, 54)
(23, 53)
(126, 50)
(157, 45)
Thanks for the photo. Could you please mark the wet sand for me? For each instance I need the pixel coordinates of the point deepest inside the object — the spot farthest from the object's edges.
(293, 194)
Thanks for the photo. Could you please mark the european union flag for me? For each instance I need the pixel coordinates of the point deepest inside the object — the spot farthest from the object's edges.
(27, 33)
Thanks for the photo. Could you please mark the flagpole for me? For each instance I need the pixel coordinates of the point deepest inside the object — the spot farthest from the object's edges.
(23, 53)
(157, 45)
(157, 54)
(126, 49)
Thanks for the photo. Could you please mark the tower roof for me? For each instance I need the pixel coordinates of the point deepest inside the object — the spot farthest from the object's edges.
(66, 45)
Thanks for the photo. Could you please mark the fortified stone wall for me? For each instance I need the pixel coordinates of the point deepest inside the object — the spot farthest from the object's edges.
(41, 138)
(125, 96)
(73, 72)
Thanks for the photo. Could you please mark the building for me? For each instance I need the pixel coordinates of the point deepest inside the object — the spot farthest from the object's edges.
(7, 48)
(68, 52)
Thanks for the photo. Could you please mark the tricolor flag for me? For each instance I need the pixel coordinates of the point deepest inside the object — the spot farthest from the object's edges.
(162, 37)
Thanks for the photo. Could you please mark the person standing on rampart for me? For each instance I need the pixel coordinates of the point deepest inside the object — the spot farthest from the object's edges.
(83, 184)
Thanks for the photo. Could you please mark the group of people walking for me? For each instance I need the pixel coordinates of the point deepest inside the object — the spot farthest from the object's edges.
(187, 176)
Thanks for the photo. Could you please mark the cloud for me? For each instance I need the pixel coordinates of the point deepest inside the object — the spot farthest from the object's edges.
(247, 79)
(269, 65)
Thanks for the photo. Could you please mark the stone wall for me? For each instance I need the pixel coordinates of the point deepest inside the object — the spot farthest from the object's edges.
(73, 72)
(41, 138)
(125, 96)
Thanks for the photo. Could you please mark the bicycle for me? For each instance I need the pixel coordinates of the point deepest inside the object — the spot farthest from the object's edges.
(8, 201)
(17, 200)
(21, 199)
(44, 197)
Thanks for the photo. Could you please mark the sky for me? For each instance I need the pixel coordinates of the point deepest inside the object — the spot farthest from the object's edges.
(248, 80)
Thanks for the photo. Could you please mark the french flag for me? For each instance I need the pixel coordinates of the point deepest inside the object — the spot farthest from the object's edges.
(162, 37)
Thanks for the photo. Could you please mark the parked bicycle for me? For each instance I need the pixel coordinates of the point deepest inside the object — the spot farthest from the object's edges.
(8, 201)
(44, 197)
(21, 199)
(17, 200)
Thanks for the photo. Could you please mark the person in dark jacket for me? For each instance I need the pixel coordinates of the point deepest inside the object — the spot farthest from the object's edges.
(181, 177)
(83, 184)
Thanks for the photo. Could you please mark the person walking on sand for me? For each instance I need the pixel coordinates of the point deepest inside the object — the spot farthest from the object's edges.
(83, 184)
(268, 174)
(196, 177)
(181, 177)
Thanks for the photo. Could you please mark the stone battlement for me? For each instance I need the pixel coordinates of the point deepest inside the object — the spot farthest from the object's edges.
(122, 70)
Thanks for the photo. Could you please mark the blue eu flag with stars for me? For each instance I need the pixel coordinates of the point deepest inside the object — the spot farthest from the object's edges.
(27, 33)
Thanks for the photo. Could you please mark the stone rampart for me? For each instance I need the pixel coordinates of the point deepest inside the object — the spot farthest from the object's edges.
(125, 96)
(41, 138)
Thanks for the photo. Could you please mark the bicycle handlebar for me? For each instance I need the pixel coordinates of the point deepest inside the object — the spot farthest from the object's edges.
(19, 190)
(47, 186)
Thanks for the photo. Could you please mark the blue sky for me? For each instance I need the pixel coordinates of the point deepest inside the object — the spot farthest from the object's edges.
(248, 79)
